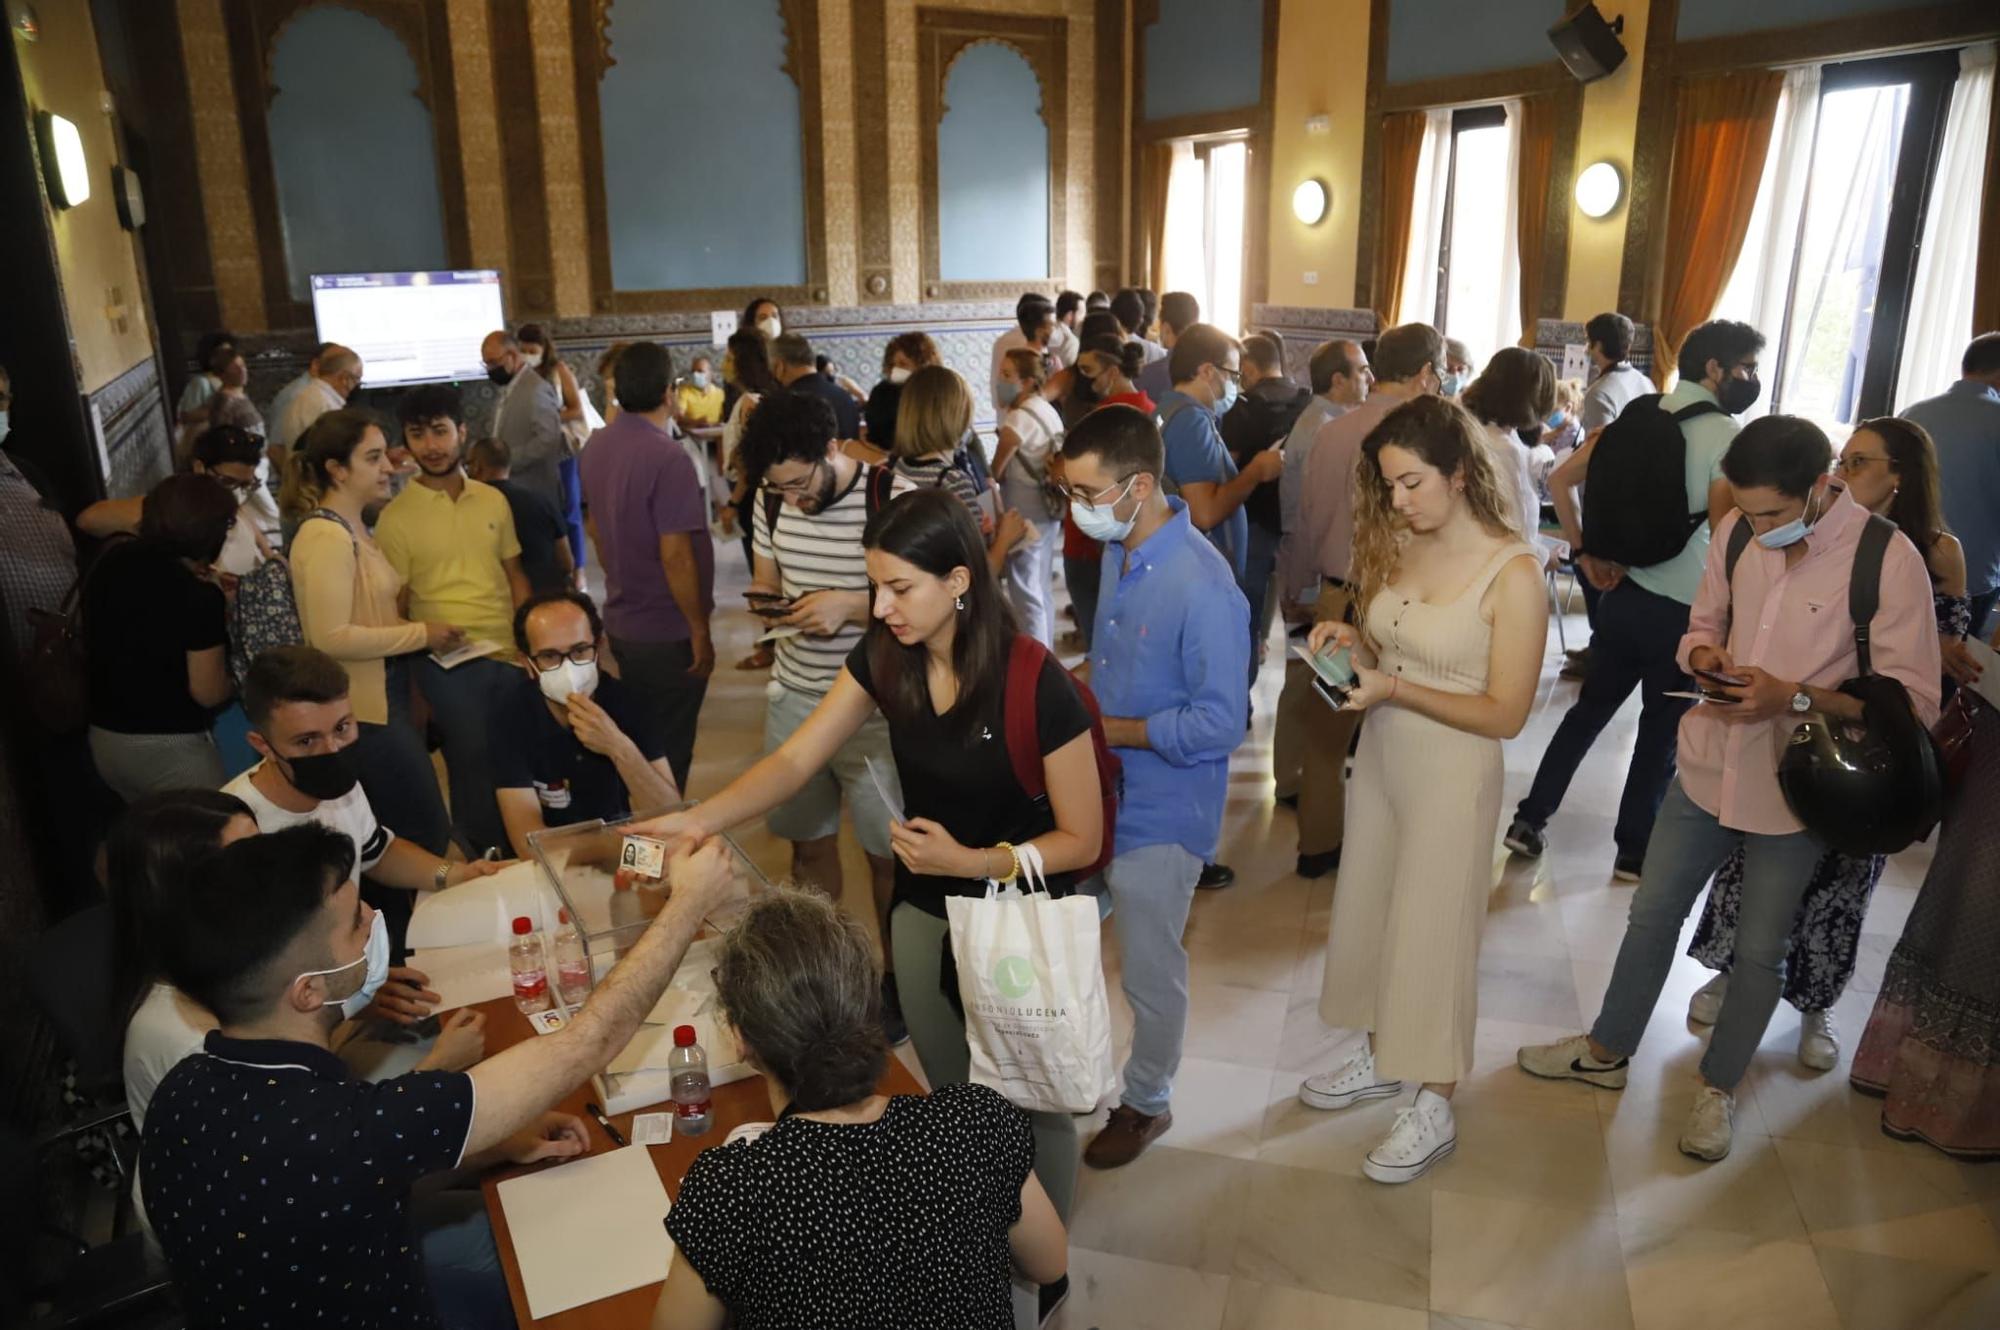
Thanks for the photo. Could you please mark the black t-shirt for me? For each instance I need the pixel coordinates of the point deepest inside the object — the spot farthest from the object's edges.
(846, 411)
(1263, 415)
(967, 784)
(534, 750)
(880, 413)
(540, 528)
(278, 1185)
(898, 1222)
(143, 611)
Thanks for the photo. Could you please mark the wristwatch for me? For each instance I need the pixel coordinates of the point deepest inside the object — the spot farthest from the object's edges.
(1801, 702)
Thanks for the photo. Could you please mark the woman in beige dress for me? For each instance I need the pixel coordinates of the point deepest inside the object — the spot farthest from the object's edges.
(1445, 663)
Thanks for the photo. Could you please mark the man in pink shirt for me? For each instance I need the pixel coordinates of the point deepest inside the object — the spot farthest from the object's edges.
(1786, 633)
(1407, 364)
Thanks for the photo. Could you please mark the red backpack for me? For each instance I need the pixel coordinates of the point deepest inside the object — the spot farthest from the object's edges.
(1024, 748)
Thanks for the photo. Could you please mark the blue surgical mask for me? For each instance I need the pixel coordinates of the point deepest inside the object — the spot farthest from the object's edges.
(1555, 420)
(1792, 532)
(699, 379)
(1229, 393)
(1099, 522)
(1006, 392)
(1449, 385)
(376, 958)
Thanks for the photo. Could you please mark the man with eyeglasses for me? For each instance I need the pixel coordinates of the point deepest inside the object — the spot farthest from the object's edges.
(571, 745)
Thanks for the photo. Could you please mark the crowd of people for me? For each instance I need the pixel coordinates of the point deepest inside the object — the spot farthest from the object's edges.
(1394, 519)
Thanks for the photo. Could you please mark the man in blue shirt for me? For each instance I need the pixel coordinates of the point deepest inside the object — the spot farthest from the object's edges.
(1170, 665)
(1207, 368)
(1964, 423)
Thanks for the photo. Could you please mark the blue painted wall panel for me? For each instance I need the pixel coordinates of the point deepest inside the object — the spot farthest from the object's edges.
(351, 143)
(1716, 18)
(1204, 55)
(1442, 38)
(993, 169)
(704, 180)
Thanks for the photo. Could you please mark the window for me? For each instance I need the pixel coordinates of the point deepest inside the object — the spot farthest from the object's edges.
(1462, 269)
(1206, 191)
(1840, 309)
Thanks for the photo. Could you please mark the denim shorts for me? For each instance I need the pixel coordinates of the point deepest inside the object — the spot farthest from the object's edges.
(814, 812)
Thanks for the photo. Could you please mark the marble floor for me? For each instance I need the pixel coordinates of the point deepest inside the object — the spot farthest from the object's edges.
(1565, 1207)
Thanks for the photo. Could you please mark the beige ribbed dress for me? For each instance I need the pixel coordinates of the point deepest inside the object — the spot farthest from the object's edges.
(1423, 809)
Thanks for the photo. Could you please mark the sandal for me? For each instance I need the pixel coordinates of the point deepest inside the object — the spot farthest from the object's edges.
(760, 659)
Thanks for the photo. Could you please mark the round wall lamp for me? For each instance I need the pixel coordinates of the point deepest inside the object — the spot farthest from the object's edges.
(1309, 201)
(1599, 189)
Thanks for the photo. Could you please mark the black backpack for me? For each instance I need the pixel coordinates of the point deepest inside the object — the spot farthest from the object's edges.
(1873, 786)
(1635, 511)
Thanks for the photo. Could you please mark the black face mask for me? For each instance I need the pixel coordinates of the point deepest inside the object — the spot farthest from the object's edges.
(324, 776)
(500, 374)
(1738, 395)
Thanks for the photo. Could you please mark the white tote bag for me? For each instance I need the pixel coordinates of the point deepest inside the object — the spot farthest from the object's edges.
(1031, 977)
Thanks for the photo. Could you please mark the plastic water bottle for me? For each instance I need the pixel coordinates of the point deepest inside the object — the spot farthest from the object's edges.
(689, 1066)
(530, 967)
(572, 965)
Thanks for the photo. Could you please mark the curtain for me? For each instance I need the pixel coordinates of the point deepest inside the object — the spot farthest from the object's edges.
(1986, 277)
(1424, 228)
(1941, 302)
(1402, 147)
(1536, 144)
(1760, 289)
(1182, 264)
(1157, 165)
(1721, 134)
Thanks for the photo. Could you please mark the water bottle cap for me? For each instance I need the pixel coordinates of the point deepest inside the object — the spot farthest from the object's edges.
(683, 1036)
(562, 916)
(523, 925)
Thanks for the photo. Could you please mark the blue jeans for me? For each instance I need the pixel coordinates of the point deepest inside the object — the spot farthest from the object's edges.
(1633, 646)
(1151, 890)
(465, 702)
(1259, 567)
(570, 472)
(1688, 845)
(460, 1261)
(396, 772)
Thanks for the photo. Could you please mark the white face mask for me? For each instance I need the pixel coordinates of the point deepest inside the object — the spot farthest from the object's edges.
(899, 374)
(376, 958)
(1101, 522)
(531, 358)
(566, 678)
(771, 327)
(699, 378)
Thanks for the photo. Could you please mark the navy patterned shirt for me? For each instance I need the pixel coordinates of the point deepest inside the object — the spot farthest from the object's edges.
(278, 1184)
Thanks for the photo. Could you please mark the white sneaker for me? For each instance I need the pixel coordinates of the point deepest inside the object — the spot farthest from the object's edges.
(1350, 1083)
(1569, 1060)
(1424, 1134)
(1819, 1041)
(1710, 1125)
(1706, 1004)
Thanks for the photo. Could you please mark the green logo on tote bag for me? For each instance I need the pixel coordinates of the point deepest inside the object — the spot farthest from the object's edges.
(1014, 977)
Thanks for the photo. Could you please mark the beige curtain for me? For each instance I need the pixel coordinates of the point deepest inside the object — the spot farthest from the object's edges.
(1402, 146)
(1537, 138)
(1986, 277)
(1157, 164)
(1721, 133)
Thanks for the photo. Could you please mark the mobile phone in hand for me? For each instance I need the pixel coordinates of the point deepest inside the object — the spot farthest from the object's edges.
(1721, 680)
(1333, 695)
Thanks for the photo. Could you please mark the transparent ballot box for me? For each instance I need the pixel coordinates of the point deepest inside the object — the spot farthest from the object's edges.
(591, 870)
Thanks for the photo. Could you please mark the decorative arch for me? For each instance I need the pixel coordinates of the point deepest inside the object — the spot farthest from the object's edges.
(944, 37)
(993, 166)
(353, 150)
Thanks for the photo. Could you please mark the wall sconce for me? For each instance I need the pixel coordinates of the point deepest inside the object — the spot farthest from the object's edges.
(1599, 189)
(1309, 201)
(64, 169)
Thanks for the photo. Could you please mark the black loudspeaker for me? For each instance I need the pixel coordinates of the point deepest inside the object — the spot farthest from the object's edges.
(1587, 45)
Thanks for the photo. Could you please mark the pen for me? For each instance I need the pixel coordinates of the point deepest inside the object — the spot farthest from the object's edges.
(605, 1123)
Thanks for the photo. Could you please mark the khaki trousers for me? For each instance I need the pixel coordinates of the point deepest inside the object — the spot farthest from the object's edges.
(1323, 738)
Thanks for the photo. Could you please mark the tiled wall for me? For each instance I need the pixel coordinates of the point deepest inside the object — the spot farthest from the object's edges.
(138, 434)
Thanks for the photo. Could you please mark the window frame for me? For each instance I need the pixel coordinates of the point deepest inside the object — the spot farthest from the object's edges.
(1490, 116)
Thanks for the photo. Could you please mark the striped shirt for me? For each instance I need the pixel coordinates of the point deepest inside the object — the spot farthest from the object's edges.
(941, 471)
(818, 552)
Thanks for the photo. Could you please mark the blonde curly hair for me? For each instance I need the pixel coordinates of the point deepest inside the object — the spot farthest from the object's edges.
(1444, 435)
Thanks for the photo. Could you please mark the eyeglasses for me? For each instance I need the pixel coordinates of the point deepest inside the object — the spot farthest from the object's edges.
(804, 485)
(581, 654)
(1235, 376)
(1090, 500)
(1854, 463)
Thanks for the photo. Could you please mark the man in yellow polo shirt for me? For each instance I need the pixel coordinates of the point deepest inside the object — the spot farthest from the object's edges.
(699, 396)
(452, 539)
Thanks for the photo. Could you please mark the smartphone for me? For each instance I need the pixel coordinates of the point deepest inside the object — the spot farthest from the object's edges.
(1333, 695)
(1724, 680)
(1335, 665)
(768, 606)
(1717, 699)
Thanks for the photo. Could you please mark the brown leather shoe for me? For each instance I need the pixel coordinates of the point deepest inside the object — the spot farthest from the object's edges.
(1125, 1137)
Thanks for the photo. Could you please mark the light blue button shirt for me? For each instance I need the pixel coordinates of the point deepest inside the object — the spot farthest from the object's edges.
(1708, 438)
(1964, 423)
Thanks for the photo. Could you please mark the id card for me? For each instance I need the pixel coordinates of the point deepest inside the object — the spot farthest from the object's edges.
(645, 856)
(547, 1022)
(652, 1128)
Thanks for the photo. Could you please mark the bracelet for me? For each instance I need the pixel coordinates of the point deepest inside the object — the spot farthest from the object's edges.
(440, 879)
(1395, 680)
(1013, 862)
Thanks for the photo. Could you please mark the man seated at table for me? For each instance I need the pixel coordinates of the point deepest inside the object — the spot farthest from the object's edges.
(280, 1188)
(302, 726)
(569, 744)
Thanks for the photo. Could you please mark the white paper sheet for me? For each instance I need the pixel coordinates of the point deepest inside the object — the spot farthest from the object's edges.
(472, 650)
(1988, 686)
(461, 976)
(588, 1229)
(482, 910)
(886, 791)
(677, 1006)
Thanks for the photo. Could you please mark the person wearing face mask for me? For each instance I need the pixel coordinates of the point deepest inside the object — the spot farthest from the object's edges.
(1034, 327)
(1030, 437)
(1642, 613)
(529, 419)
(579, 418)
(303, 729)
(276, 1180)
(1776, 626)
(452, 541)
(570, 743)
(237, 459)
(763, 317)
(698, 398)
(1179, 311)
(155, 634)
(1457, 375)
(905, 355)
(1169, 662)
(1102, 376)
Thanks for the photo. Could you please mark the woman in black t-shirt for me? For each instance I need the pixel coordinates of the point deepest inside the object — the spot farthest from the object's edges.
(934, 661)
(155, 633)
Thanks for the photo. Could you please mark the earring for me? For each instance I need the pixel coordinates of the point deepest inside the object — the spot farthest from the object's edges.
(959, 601)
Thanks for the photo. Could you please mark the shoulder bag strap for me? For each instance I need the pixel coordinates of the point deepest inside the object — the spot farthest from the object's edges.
(1017, 713)
(1864, 586)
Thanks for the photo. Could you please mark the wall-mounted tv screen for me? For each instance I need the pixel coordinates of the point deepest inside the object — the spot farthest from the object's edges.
(410, 327)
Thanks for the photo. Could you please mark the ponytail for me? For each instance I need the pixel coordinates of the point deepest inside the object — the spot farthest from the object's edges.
(332, 438)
